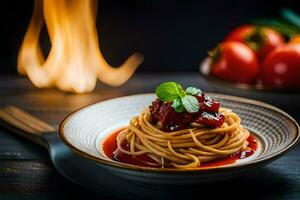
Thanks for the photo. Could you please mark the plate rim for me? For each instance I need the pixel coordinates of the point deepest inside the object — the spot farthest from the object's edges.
(125, 166)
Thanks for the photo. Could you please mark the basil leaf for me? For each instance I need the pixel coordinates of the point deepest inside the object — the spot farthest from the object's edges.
(177, 105)
(190, 103)
(181, 100)
(193, 90)
(169, 91)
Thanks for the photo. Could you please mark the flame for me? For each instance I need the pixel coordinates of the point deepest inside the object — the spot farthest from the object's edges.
(75, 61)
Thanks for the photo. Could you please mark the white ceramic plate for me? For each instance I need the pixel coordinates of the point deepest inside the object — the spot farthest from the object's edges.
(85, 130)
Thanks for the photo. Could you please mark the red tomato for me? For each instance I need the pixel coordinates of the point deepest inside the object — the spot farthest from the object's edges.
(261, 40)
(271, 40)
(282, 67)
(240, 33)
(235, 61)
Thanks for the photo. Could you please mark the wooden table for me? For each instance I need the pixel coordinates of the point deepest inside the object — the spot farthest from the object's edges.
(27, 173)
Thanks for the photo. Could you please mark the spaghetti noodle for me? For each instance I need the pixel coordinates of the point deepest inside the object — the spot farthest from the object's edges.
(185, 148)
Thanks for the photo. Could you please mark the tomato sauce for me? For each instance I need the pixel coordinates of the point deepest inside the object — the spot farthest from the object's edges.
(111, 151)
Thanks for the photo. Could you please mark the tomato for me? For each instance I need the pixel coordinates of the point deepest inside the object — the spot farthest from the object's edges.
(234, 61)
(240, 33)
(282, 67)
(271, 40)
(261, 40)
(295, 40)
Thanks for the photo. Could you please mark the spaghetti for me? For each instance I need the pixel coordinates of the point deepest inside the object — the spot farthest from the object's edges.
(185, 148)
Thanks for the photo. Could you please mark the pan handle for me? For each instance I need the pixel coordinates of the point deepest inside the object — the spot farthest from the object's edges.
(25, 125)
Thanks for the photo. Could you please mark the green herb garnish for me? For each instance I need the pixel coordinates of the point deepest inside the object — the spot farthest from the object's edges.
(193, 90)
(178, 105)
(169, 91)
(181, 100)
(190, 103)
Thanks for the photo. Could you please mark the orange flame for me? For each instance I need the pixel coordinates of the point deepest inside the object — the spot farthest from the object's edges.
(75, 61)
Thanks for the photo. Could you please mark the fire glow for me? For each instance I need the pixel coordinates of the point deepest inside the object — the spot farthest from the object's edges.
(75, 61)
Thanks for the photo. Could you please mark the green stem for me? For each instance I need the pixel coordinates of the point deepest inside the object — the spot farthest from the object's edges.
(290, 16)
(281, 26)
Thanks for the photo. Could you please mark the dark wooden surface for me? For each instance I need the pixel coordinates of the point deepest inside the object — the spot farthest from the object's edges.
(27, 173)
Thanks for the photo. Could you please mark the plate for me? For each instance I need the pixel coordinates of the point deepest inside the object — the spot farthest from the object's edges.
(84, 130)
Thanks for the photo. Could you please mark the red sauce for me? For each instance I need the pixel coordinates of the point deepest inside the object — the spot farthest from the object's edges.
(235, 156)
(111, 151)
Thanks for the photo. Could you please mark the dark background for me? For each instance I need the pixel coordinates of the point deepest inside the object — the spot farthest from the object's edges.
(173, 35)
